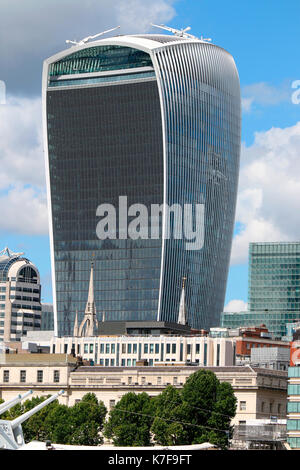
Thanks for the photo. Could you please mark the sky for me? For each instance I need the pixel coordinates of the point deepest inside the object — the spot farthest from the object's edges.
(263, 36)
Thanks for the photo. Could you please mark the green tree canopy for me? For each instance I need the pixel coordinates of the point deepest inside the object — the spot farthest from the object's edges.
(211, 406)
(168, 427)
(130, 420)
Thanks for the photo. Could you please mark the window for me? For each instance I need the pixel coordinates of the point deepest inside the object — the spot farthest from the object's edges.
(157, 349)
(86, 348)
(151, 348)
(22, 376)
(101, 348)
(39, 376)
(242, 405)
(168, 348)
(91, 348)
(107, 348)
(123, 348)
(65, 348)
(134, 348)
(112, 404)
(129, 348)
(56, 376)
(113, 349)
(6, 376)
(174, 348)
(146, 348)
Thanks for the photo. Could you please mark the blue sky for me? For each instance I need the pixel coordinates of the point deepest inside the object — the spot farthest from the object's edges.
(263, 37)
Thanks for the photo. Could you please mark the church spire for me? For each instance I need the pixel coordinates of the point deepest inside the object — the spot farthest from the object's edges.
(182, 315)
(89, 324)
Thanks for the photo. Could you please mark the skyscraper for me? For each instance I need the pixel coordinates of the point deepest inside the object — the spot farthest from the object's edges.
(274, 288)
(20, 296)
(151, 120)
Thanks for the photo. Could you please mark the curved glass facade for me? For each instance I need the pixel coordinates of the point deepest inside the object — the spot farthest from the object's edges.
(201, 103)
(171, 138)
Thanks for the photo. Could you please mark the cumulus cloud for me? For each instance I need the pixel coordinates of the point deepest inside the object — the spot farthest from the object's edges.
(31, 31)
(265, 94)
(22, 176)
(21, 151)
(236, 306)
(269, 190)
(24, 211)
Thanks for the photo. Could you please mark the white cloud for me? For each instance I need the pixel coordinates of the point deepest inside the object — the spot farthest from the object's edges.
(22, 176)
(24, 210)
(31, 31)
(236, 306)
(21, 151)
(269, 190)
(265, 94)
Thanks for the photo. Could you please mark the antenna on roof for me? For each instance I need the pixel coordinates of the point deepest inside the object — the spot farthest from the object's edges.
(85, 40)
(182, 33)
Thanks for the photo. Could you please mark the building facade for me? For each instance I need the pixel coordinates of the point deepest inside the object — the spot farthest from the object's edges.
(148, 119)
(127, 351)
(274, 288)
(20, 296)
(260, 393)
(47, 323)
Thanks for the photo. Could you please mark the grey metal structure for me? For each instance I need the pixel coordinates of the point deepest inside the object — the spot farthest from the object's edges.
(11, 434)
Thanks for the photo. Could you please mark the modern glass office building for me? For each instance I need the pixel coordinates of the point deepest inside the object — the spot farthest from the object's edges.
(155, 118)
(274, 288)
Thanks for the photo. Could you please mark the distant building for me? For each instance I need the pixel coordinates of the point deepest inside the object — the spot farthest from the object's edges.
(20, 296)
(274, 288)
(47, 323)
(127, 351)
(277, 358)
(293, 405)
(260, 393)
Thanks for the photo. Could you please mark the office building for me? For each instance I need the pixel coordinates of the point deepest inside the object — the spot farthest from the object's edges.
(261, 393)
(127, 351)
(20, 296)
(274, 288)
(47, 323)
(148, 120)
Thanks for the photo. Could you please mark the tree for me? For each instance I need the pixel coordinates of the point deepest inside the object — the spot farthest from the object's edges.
(130, 420)
(168, 426)
(211, 406)
(87, 419)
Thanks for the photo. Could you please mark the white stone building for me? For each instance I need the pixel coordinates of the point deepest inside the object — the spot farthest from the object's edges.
(20, 296)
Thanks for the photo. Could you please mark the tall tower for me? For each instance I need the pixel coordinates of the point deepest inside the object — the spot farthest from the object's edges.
(155, 118)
